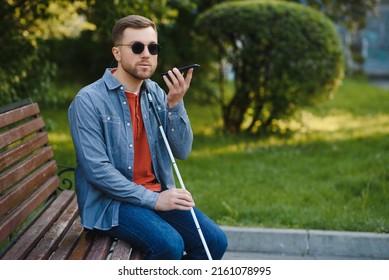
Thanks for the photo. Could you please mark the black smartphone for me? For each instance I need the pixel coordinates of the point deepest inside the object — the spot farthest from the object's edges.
(184, 68)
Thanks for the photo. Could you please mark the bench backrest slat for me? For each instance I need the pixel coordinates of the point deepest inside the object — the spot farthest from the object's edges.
(28, 172)
(17, 114)
(24, 168)
(21, 132)
(26, 187)
(23, 149)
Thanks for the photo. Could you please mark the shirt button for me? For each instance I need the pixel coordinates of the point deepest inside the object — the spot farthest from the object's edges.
(129, 167)
(130, 145)
(170, 113)
(108, 118)
(124, 102)
(172, 129)
(159, 108)
(128, 124)
(121, 88)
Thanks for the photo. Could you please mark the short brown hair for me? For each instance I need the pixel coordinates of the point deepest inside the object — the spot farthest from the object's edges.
(132, 21)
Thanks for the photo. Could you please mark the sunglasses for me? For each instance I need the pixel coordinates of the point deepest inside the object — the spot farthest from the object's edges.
(138, 47)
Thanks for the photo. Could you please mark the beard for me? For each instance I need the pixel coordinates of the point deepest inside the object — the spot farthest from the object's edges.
(139, 74)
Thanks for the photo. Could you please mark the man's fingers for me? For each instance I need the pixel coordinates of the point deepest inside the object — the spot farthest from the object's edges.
(174, 199)
(184, 199)
(178, 75)
(183, 208)
(188, 77)
(182, 191)
(174, 77)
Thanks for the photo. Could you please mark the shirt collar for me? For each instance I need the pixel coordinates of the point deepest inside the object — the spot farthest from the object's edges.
(110, 80)
(112, 83)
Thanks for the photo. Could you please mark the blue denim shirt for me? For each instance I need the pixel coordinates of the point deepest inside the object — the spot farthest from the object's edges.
(101, 129)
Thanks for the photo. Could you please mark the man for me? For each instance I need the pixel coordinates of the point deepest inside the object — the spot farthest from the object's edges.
(124, 180)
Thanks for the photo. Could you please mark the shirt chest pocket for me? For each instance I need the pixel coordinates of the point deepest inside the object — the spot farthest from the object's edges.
(112, 131)
(162, 114)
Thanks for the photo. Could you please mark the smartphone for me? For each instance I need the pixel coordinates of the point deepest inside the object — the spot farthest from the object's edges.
(184, 68)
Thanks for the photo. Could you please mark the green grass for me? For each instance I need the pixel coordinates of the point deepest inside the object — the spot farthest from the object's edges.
(332, 174)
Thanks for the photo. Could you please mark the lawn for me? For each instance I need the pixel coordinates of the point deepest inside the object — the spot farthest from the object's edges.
(332, 173)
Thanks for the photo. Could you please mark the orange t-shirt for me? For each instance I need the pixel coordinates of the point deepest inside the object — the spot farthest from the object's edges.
(143, 173)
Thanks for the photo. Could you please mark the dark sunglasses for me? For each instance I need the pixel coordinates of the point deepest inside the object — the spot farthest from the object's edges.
(138, 47)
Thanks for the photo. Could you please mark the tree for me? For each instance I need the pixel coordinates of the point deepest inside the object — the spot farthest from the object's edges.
(24, 71)
(26, 65)
(284, 55)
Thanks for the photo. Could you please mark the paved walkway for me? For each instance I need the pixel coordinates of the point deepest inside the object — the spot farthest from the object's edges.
(230, 255)
(285, 244)
(383, 83)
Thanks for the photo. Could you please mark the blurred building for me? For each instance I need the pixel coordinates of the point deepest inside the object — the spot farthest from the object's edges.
(367, 50)
(375, 42)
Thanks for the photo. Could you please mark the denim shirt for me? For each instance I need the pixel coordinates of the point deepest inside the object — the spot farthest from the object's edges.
(101, 129)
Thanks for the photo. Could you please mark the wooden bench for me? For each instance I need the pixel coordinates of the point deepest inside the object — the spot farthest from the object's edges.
(38, 219)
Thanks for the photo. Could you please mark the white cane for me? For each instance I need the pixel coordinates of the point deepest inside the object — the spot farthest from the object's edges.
(178, 174)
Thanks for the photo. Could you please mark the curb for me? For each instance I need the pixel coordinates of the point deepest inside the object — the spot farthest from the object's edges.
(314, 243)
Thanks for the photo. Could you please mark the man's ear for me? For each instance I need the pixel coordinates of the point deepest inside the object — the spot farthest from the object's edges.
(116, 53)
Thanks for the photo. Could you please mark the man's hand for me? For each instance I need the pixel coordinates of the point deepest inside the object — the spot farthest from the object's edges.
(178, 85)
(174, 199)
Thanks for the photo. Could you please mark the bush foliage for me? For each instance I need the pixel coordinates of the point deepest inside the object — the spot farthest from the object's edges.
(283, 55)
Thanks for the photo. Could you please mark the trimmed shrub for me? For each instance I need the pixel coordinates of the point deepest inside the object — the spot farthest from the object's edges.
(284, 56)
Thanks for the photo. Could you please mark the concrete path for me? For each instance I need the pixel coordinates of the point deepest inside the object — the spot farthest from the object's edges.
(383, 83)
(262, 243)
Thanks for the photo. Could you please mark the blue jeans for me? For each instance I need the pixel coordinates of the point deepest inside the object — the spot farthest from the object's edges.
(167, 235)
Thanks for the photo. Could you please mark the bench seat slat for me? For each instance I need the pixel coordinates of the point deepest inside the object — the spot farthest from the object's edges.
(69, 242)
(136, 255)
(11, 221)
(100, 248)
(54, 235)
(121, 251)
(83, 246)
(31, 237)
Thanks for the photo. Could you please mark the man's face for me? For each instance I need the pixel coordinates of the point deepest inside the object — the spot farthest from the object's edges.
(139, 66)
